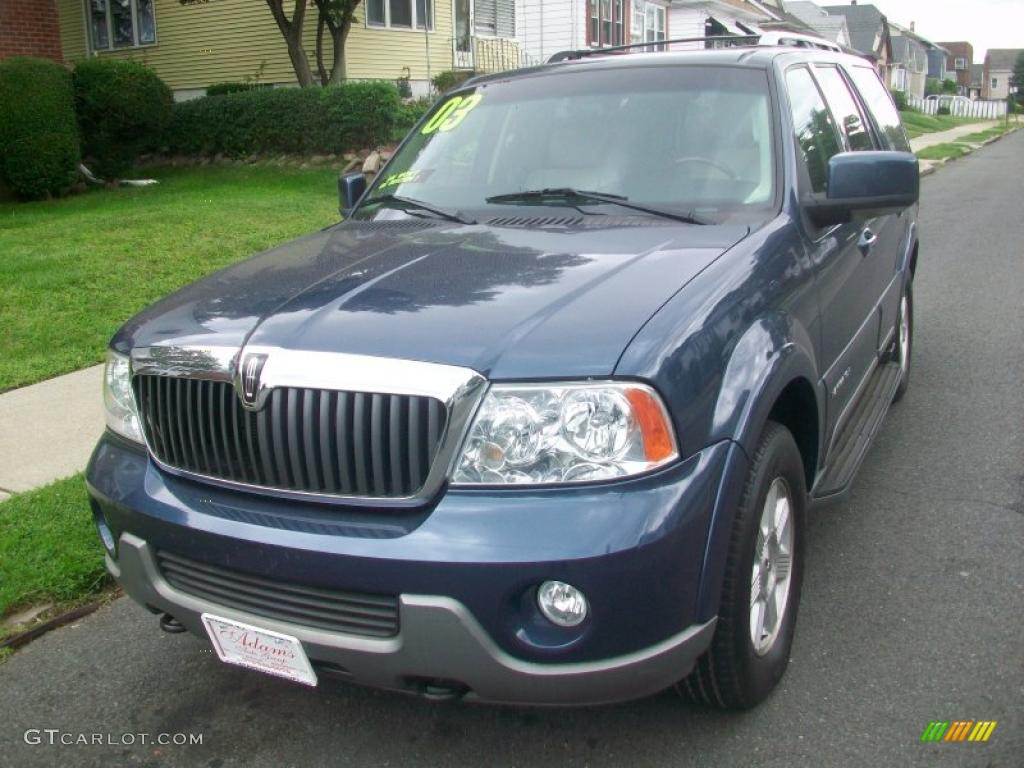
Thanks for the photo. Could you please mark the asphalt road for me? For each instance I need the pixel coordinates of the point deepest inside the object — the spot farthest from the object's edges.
(913, 606)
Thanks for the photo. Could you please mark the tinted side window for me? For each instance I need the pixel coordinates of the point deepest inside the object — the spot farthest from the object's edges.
(844, 109)
(815, 132)
(880, 104)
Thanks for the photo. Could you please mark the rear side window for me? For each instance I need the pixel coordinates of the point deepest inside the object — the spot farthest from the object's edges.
(816, 134)
(844, 109)
(880, 105)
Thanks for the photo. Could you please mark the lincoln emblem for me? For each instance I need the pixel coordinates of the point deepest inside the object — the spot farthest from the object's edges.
(250, 378)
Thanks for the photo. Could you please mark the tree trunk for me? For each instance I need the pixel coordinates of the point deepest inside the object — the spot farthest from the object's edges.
(339, 35)
(300, 62)
(321, 22)
(292, 29)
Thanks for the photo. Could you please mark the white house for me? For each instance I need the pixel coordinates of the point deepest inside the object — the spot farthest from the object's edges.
(545, 27)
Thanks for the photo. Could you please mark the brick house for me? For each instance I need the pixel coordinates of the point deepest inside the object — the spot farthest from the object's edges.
(958, 64)
(30, 28)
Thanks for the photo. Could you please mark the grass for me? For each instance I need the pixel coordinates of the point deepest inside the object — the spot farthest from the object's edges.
(72, 270)
(918, 123)
(944, 152)
(983, 136)
(49, 550)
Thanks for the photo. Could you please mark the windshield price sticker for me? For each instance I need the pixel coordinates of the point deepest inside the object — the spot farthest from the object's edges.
(405, 177)
(451, 114)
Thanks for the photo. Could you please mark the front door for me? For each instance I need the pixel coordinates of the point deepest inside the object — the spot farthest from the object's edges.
(847, 293)
(463, 38)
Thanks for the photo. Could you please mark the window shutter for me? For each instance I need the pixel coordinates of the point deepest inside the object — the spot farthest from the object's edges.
(506, 18)
(485, 14)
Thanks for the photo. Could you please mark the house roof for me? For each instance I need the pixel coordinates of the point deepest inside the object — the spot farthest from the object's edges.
(865, 23)
(907, 50)
(1002, 58)
(831, 27)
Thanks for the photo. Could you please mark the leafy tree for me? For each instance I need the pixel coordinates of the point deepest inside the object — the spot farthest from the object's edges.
(334, 16)
(1017, 78)
(292, 28)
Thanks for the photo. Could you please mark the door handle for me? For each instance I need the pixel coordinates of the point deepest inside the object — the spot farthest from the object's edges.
(866, 241)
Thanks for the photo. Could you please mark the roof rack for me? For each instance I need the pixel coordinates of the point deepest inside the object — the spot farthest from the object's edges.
(657, 45)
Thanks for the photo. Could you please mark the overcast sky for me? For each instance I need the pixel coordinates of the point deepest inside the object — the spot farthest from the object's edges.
(983, 23)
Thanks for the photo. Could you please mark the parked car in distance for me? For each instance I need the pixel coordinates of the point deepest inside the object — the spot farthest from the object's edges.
(541, 420)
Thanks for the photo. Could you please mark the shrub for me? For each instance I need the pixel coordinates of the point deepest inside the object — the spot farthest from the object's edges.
(39, 149)
(219, 89)
(244, 122)
(360, 114)
(409, 114)
(123, 110)
(451, 78)
(292, 120)
(900, 98)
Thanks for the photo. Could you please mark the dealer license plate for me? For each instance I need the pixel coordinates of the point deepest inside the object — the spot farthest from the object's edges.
(259, 649)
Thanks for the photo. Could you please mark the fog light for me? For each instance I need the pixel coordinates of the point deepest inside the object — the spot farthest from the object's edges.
(562, 603)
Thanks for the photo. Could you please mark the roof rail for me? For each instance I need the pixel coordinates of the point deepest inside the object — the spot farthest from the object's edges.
(728, 40)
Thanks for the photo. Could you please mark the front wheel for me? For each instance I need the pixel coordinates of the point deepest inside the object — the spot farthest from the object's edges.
(764, 568)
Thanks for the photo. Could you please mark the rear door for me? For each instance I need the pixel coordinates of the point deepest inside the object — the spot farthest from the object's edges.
(846, 292)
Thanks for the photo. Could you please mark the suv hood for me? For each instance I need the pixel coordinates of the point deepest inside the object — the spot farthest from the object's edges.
(508, 302)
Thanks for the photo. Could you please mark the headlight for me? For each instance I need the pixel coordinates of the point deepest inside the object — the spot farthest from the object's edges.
(122, 416)
(539, 433)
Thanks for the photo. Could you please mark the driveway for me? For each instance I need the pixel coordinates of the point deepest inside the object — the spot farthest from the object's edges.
(913, 604)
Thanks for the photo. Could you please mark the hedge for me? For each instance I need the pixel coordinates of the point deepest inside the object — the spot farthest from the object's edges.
(39, 149)
(289, 120)
(123, 110)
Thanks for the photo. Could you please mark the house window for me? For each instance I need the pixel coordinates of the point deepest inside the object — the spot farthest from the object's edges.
(400, 14)
(960, 63)
(605, 22)
(647, 22)
(654, 23)
(121, 24)
(995, 83)
(495, 17)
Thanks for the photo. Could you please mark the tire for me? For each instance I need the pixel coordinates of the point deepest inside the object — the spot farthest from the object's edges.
(733, 673)
(904, 343)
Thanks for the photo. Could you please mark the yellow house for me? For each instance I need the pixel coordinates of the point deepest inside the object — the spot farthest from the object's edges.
(192, 44)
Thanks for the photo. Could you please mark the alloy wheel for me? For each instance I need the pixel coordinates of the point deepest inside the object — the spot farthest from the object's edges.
(773, 560)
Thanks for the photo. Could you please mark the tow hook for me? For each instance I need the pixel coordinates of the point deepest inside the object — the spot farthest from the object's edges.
(171, 625)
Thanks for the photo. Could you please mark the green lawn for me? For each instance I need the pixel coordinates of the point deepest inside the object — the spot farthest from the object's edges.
(72, 270)
(49, 550)
(918, 124)
(943, 152)
(983, 136)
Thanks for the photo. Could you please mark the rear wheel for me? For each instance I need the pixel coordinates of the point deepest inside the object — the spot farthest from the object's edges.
(757, 613)
(904, 344)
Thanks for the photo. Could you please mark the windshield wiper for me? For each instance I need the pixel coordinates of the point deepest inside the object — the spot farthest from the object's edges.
(568, 193)
(403, 202)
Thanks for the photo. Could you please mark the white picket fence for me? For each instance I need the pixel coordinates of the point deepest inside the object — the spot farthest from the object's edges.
(960, 106)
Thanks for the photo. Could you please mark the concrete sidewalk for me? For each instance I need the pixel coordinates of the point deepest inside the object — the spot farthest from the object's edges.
(952, 135)
(48, 430)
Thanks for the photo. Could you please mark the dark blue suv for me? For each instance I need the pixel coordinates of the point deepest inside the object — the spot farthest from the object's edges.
(541, 420)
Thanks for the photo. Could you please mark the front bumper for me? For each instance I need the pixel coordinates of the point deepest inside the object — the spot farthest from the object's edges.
(464, 570)
(440, 641)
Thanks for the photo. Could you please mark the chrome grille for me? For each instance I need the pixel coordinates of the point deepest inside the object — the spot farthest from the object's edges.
(350, 612)
(309, 440)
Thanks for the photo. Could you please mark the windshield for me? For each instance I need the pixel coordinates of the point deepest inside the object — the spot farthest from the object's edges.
(688, 139)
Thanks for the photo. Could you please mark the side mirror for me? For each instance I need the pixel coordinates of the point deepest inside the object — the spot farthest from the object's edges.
(866, 184)
(350, 188)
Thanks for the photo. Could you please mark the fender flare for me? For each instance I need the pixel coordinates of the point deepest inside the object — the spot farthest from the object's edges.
(771, 354)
